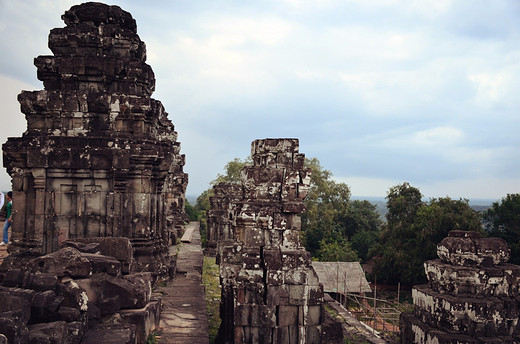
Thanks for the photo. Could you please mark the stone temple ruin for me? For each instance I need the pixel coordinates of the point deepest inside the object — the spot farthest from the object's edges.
(98, 187)
(472, 295)
(100, 157)
(222, 212)
(270, 292)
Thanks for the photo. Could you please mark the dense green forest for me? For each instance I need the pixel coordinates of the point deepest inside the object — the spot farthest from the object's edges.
(337, 228)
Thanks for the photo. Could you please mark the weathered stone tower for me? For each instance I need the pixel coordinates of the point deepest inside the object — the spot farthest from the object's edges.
(472, 295)
(100, 157)
(270, 292)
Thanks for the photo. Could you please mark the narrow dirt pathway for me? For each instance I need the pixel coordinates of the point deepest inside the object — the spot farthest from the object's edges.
(184, 319)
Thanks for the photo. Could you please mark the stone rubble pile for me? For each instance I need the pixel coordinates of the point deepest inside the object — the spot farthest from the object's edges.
(79, 294)
(472, 296)
(100, 157)
(270, 292)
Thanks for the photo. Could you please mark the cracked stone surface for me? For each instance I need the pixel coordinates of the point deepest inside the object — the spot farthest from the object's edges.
(184, 318)
(270, 292)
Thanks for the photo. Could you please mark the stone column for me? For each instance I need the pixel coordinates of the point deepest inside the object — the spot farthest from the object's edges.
(471, 297)
(270, 292)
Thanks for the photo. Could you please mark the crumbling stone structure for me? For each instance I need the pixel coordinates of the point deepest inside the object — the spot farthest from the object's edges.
(222, 212)
(79, 294)
(472, 295)
(100, 157)
(270, 292)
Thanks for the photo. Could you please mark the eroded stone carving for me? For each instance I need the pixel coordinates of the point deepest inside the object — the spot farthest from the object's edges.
(472, 295)
(100, 157)
(270, 293)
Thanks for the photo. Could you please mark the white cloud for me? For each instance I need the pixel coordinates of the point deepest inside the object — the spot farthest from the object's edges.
(436, 139)
(14, 124)
(232, 31)
(473, 188)
(491, 87)
(489, 187)
(369, 187)
(382, 89)
(439, 136)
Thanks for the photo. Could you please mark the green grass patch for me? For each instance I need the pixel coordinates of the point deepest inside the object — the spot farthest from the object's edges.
(331, 310)
(210, 279)
(152, 338)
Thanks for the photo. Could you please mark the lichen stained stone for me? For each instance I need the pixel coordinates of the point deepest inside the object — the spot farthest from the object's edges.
(471, 297)
(100, 157)
(270, 292)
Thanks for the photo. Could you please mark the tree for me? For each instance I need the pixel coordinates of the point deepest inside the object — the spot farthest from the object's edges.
(232, 174)
(402, 203)
(363, 226)
(332, 221)
(233, 171)
(202, 203)
(326, 206)
(502, 220)
(414, 229)
(396, 261)
(436, 219)
(337, 251)
(191, 212)
(362, 217)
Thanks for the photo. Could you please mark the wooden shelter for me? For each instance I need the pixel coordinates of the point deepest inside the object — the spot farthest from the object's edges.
(342, 277)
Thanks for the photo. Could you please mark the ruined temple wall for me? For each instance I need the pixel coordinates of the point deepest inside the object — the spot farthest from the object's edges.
(222, 214)
(471, 297)
(100, 156)
(270, 292)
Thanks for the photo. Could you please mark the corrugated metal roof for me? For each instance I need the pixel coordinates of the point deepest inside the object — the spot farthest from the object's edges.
(342, 277)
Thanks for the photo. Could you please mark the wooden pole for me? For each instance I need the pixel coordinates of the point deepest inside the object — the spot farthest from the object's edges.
(375, 307)
(337, 282)
(345, 289)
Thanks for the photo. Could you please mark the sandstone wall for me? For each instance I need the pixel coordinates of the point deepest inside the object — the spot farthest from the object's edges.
(472, 295)
(270, 292)
(100, 157)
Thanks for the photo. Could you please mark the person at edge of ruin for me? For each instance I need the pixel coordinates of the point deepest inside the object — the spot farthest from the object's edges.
(1, 200)
(8, 217)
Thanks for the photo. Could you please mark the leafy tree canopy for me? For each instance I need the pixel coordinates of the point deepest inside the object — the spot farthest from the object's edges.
(414, 229)
(337, 251)
(233, 170)
(191, 212)
(326, 205)
(503, 220)
(332, 220)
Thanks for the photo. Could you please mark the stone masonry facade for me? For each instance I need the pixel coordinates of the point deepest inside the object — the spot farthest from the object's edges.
(223, 207)
(472, 296)
(100, 158)
(270, 292)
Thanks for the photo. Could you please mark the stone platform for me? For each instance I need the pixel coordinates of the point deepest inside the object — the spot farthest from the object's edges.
(184, 317)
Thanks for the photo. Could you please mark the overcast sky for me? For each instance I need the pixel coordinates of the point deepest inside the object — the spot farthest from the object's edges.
(380, 91)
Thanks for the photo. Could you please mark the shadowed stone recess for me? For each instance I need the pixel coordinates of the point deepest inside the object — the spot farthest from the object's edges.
(471, 297)
(100, 157)
(270, 292)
